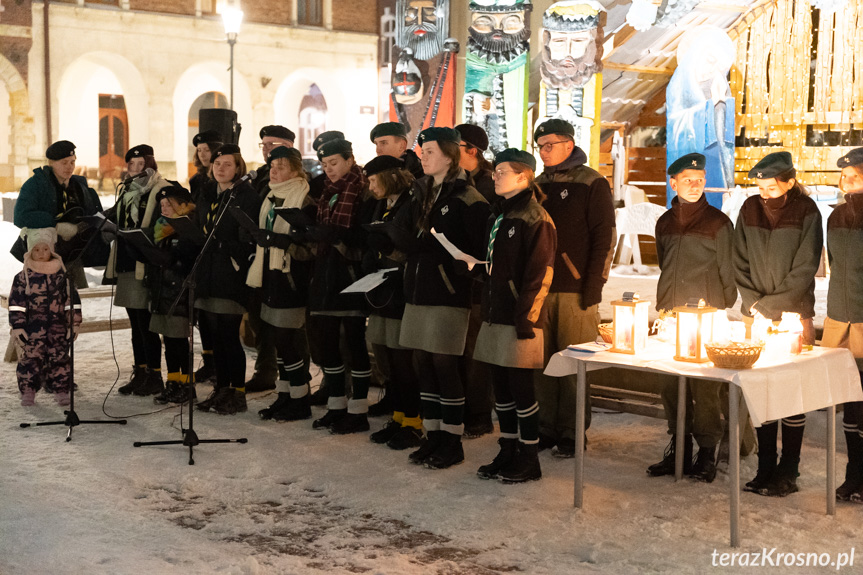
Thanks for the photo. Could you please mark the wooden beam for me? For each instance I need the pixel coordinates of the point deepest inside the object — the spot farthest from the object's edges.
(638, 69)
(616, 40)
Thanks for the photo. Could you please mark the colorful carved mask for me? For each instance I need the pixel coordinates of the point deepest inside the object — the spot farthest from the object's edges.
(422, 26)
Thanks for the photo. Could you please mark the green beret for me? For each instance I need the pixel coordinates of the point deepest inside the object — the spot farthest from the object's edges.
(555, 126)
(852, 158)
(60, 150)
(177, 192)
(693, 161)
(515, 155)
(382, 164)
(207, 137)
(771, 166)
(280, 132)
(326, 137)
(389, 129)
(139, 151)
(439, 135)
(473, 135)
(226, 149)
(334, 147)
(283, 152)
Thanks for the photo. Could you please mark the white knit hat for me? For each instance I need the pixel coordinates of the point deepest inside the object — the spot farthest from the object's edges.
(41, 236)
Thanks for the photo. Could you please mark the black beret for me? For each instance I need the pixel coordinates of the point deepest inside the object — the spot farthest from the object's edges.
(280, 132)
(284, 152)
(439, 135)
(473, 135)
(554, 126)
(207, 137)
(693, 161)
(771, 166)
(60, 150)
(179, 193)
(225, 149)
(382, 164)
(139, 151)
(389, 129)
(852, 158)
(334, 147)
(326, 137)
(515, 155)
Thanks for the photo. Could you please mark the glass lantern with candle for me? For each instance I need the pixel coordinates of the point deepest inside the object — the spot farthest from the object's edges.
(630, 324)
(694, 329)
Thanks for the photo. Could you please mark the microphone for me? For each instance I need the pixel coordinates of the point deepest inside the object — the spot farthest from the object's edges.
(250, 176)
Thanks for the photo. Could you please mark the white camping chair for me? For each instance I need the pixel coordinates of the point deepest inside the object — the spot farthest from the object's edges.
(638, 217)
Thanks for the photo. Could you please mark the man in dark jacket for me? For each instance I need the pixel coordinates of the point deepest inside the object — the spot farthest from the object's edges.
(54, 197)
(579, 200)
(694, 244)
(271, 137)
(391, 139)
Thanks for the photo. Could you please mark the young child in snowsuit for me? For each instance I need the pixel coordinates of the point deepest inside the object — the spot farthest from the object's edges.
(39, 306)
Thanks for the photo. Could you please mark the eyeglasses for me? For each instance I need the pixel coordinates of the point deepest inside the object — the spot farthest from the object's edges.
(547, 147)
(501, 173)
(270, 145)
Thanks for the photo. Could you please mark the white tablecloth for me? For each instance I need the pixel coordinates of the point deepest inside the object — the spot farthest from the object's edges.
(807, 382)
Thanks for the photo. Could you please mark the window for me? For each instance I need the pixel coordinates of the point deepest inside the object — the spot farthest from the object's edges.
(310, 12)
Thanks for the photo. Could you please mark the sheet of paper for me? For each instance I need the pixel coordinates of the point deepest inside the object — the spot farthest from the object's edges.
(454, 251)
(367, 283)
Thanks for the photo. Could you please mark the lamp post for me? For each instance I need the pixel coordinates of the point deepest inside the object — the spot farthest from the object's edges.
(232, 17)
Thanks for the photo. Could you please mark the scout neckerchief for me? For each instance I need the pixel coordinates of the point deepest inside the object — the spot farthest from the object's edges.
(494, 228)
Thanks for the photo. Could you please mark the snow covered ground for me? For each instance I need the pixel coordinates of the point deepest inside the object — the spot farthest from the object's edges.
(298, 501)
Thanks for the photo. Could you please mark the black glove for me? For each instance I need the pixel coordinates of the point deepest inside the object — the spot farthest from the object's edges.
(525, 332)
(262, 238)
(588, 299)
(299, 235)
(380, 243)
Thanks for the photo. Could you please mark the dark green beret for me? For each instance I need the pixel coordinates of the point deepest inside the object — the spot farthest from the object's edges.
(389, 129)
(280, 132)
(283, 152)
(515, 155)
(473, 135)
(207, 137)
(226, 149)
(60, 150)
(334, 147)
(555, 126)
(439, 135)
(139, 152)
(693, 161)
(772, 165)
(382, 164)
(852, 158)
(179, 193)
(326, 137)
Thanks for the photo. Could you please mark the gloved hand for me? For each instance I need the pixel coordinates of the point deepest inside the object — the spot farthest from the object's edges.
(588, 299)
(66, 230)
(262, 238)
(19, 338)
(525, 332)
(299, 235)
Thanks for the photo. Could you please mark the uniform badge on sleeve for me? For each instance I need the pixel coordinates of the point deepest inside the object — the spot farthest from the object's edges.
(444, 210)
(511, 231)
(563, 194)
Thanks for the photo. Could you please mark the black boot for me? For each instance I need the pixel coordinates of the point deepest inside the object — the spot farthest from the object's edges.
(231, 402)
(175, 392)
(478, 426)
(854, 467)
(448, 454)
(428, 446)
(282, 400)
(207, 404)
(705, 465)
(386, 433)
(207, 371)
(766, 457)
(405, 438)
(329, 418)
(261, 382)
(383, 407)
(298, 409)
(138, 377)
(783, 481)
(153, 385)
(524, 467)
(666, 466)
(508, 449)
(350, 423)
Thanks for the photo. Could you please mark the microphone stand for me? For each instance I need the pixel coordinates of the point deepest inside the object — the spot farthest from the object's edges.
(72, 420)
(190, 437)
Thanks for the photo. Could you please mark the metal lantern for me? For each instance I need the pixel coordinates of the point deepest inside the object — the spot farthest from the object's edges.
(694, 329)
(630, 324)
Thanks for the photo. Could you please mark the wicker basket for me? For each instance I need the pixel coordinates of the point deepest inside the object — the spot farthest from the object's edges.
(734, 355)
(606, 330)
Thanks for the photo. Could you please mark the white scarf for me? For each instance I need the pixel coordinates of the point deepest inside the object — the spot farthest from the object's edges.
(292, 194)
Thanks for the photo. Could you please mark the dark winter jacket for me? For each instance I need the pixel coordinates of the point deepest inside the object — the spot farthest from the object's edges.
(522, 263)
(261, 183)
(845, 250)
(39, 301)
(38, 206)
(222, 273)
(460, 213)
(197, 183)
(579, 201)
(777, 250)
(694, 244)
(413, 164)
(483, 181)
(165, 283)
(388, 299)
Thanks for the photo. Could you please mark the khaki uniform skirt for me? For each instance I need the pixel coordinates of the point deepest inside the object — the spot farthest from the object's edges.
(384, 331)
(498, 344)
(289, 318)
(844, 334)
(434, 329)
(169, 325)
(130, 292)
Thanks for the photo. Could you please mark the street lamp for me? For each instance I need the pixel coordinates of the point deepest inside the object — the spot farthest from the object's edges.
(232, 17)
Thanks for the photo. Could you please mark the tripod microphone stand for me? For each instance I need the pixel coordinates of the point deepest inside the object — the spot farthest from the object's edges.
(190, 437)
(72, 420)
